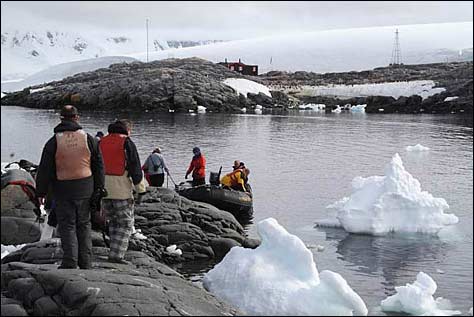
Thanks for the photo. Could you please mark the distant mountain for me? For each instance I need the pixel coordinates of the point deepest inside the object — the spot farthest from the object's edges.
(339, 50)
(25, 53)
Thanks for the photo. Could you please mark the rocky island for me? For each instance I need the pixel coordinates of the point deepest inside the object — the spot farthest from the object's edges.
(181, 85)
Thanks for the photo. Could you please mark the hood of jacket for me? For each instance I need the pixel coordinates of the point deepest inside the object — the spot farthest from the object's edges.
(67, 126)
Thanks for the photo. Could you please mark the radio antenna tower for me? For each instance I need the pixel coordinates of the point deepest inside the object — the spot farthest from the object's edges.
(396, 53)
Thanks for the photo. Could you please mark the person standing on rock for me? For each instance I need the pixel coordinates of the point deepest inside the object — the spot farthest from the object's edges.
(156, 167)
(122, 174)
(197, 167)
(71, 163)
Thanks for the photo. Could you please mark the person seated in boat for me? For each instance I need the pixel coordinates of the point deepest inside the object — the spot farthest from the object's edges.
(235, 179)
(197, 167)
(237, 165)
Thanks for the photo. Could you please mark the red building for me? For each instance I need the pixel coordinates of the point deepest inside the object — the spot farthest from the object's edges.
(241, 67)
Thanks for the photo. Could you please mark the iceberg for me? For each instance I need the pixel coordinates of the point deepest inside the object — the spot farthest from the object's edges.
(417, 148)
(391, 203)
(417, 299)
(280, 278)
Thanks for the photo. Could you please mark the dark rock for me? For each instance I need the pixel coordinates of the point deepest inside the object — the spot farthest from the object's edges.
(17, 231)
(221, 246)
(144, 287)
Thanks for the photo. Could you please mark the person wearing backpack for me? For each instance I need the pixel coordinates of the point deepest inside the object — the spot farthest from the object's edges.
(155, 166)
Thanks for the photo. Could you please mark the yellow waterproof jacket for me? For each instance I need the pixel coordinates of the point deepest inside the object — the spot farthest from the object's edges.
(234, 180)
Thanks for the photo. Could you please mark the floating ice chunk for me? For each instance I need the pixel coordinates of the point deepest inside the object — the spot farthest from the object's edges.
(201, 109)
(337, 110)
(450, 98)
(417, 299)
(258, 111)
(358, 108)
(312, 106)
(243, 110)
(174, 250)
(392, 203)
(280, 278)
(417, 148)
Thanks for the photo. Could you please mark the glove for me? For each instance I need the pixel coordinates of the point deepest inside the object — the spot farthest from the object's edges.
(96, 197)
(186, 177)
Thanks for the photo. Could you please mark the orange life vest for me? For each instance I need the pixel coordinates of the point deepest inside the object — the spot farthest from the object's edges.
(112, 147)
(73, 157)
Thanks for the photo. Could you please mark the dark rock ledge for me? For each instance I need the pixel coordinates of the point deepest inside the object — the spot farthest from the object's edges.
(145, 287)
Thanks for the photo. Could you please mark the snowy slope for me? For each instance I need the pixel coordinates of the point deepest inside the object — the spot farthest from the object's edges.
(27, 52)
(336, 50)
(58, 72)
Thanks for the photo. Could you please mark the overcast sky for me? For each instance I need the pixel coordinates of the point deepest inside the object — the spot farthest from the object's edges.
(225, 20)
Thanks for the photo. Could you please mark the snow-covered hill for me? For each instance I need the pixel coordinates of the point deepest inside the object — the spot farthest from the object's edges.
(340, 50)
(60, 71)
(27, 52)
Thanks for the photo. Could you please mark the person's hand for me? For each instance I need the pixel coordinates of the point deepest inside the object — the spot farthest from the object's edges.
(186, 177)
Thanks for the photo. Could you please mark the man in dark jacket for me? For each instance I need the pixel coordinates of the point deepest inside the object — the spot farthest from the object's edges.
(72, 164)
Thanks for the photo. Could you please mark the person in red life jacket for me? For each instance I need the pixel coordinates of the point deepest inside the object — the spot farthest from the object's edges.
(72, 167)
(197, 167)
(122, 174)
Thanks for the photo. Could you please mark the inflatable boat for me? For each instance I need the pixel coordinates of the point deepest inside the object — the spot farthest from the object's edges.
(238, 203)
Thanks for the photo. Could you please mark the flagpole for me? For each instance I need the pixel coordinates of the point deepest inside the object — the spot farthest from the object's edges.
(147, 40)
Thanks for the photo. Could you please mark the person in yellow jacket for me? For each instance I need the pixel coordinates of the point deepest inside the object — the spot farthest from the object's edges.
(236, 179)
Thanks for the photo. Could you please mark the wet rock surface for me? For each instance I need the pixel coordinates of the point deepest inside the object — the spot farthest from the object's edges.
(143, 287)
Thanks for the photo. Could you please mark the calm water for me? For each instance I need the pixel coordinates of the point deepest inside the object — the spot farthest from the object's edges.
(304, 161)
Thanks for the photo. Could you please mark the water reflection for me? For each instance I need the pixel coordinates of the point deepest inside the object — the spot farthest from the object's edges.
(395, 257)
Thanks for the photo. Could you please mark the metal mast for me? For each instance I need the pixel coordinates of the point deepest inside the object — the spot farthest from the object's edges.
(147, 40)
(396, 53)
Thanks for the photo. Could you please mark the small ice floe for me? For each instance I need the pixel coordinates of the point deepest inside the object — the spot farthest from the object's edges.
(358, 108)
(2, 95)
(170, 110)
(280, 277)
(381, 109)
(439, 271)
(391, 203)
(191, 110)
(317, 247)
(417, 148)
(313, 106)
(258, 109)
(337, 110)
(150, 120)
(243, 110)
(201, 109)
(450, 98)
(174, 250)
(417, 299)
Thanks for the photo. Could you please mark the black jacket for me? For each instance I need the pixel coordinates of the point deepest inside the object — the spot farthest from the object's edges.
(69, 189)
(133, 165)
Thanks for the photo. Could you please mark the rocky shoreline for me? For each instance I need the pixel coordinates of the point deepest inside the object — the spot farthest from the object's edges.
(32, 284)
(181, 85)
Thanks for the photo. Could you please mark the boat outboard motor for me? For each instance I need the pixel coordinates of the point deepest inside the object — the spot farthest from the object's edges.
(214, 178)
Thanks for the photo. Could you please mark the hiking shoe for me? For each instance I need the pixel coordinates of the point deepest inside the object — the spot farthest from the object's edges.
(119, 261)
